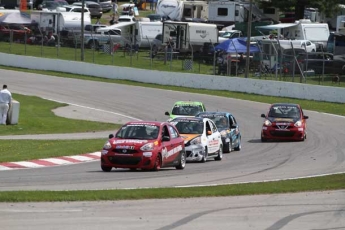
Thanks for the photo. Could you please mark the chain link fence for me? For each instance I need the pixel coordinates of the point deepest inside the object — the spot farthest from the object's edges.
(272, 62)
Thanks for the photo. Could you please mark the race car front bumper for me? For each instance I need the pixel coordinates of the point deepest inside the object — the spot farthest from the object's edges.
(195, 152)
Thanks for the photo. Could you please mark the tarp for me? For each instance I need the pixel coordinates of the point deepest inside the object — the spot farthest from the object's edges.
(236, 45)
(15, 18)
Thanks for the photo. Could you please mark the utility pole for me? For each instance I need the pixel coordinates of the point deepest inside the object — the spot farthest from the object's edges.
(82, 31)
(249, 34)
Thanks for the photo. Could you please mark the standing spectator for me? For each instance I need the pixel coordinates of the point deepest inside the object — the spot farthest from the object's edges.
(5, 104)
(170, 47)
(115, 9)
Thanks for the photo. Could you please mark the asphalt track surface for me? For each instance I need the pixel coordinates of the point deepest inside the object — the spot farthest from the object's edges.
(322, 153)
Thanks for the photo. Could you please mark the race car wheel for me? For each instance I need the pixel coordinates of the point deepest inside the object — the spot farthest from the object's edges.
(106, 168)
(182, 162)
(263, 139)
(204, 158)
(227, 147)
(219, 157)
(238, 148)
(158, 163)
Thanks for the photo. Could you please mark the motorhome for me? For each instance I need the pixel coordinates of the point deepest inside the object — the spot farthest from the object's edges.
(189, 36)
(303, 29)
(177, 10)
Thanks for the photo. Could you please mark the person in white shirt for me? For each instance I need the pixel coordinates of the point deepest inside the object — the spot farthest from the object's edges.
(5, 103)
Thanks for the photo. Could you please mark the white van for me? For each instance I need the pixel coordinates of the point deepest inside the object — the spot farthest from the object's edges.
(298, 44)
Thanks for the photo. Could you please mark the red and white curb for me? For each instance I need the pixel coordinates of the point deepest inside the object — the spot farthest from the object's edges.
(56, 161)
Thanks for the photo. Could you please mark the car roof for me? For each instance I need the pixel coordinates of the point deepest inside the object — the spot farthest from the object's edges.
(157, 123)
(188, 103)
(213, 114)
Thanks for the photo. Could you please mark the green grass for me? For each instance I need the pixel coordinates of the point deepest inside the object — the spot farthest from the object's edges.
(12, 151)
(286, 186)
(36, 117)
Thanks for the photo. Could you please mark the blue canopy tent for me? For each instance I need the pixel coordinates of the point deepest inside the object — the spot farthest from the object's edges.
(236, 45)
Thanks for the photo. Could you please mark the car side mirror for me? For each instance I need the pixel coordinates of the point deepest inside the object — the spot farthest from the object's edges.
(209, 132)
(263, 115)
(305, 117)
(111, 136)
(167, 113)
(166, 138)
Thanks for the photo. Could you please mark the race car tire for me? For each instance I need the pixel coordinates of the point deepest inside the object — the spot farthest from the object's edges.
(263, 139)
(106, 168)
(204, 158)
(227, 147)
(182, 162)
(239, 146)
(219, 157)
(158, 163)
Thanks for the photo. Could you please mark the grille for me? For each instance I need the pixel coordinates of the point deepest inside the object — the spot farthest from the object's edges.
(125, 151)
(282, 133)
(125, 160)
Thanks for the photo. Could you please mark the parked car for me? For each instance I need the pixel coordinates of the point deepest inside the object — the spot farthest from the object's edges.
(144, 145)
(94, 8)
(202, 138)
(323, 63)
(228, 128)
(19, 32)
(185, 109)
(284, 121)
(53, 4)
(287, 17)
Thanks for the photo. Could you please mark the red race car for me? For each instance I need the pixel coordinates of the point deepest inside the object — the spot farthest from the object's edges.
(284, 121)
(144, 145)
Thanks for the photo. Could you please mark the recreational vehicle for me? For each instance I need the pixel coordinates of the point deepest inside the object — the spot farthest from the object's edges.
(146, 32)
(188, 36)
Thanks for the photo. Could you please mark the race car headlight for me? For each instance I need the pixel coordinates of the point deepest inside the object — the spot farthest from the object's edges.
(195, 141)
(107, 145)
(298, 124)
(223, 133)
(267, 123)
(147, 147)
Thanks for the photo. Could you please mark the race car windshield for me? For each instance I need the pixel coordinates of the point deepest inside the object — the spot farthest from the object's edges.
(221, 122)
(186, 110)
(190, 127)
(143, 132)
(283, 111)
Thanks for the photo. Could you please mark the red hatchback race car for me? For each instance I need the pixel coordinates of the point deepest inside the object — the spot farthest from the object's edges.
(144, 145)
(284, 121)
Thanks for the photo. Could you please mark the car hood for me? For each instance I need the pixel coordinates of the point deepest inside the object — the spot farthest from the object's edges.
(188, 137)
(282, 120)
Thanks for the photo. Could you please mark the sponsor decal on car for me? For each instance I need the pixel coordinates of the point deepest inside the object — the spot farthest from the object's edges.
(129, 141)
(171, 152)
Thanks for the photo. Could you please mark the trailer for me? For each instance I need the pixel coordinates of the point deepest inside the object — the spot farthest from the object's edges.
(189, 36)
(146, 32)
(178, 10)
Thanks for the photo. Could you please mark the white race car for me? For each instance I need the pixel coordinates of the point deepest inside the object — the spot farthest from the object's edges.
(202, 138)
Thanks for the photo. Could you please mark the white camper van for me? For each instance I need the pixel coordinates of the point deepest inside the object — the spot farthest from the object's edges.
(188, 36)
(146, 32)
(303, 29)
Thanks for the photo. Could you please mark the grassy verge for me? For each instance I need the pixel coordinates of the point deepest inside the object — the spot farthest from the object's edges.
(288, 186)
(36, 117)
(14, 150)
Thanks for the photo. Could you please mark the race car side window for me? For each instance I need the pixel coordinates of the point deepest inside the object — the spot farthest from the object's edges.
(214, 127)
(165, 131)
(173, 132)
(208, 127)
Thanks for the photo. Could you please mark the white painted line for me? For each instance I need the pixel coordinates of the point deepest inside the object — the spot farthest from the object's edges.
(101, 110)
(28, 164)
(81, 158)
(57, 161)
